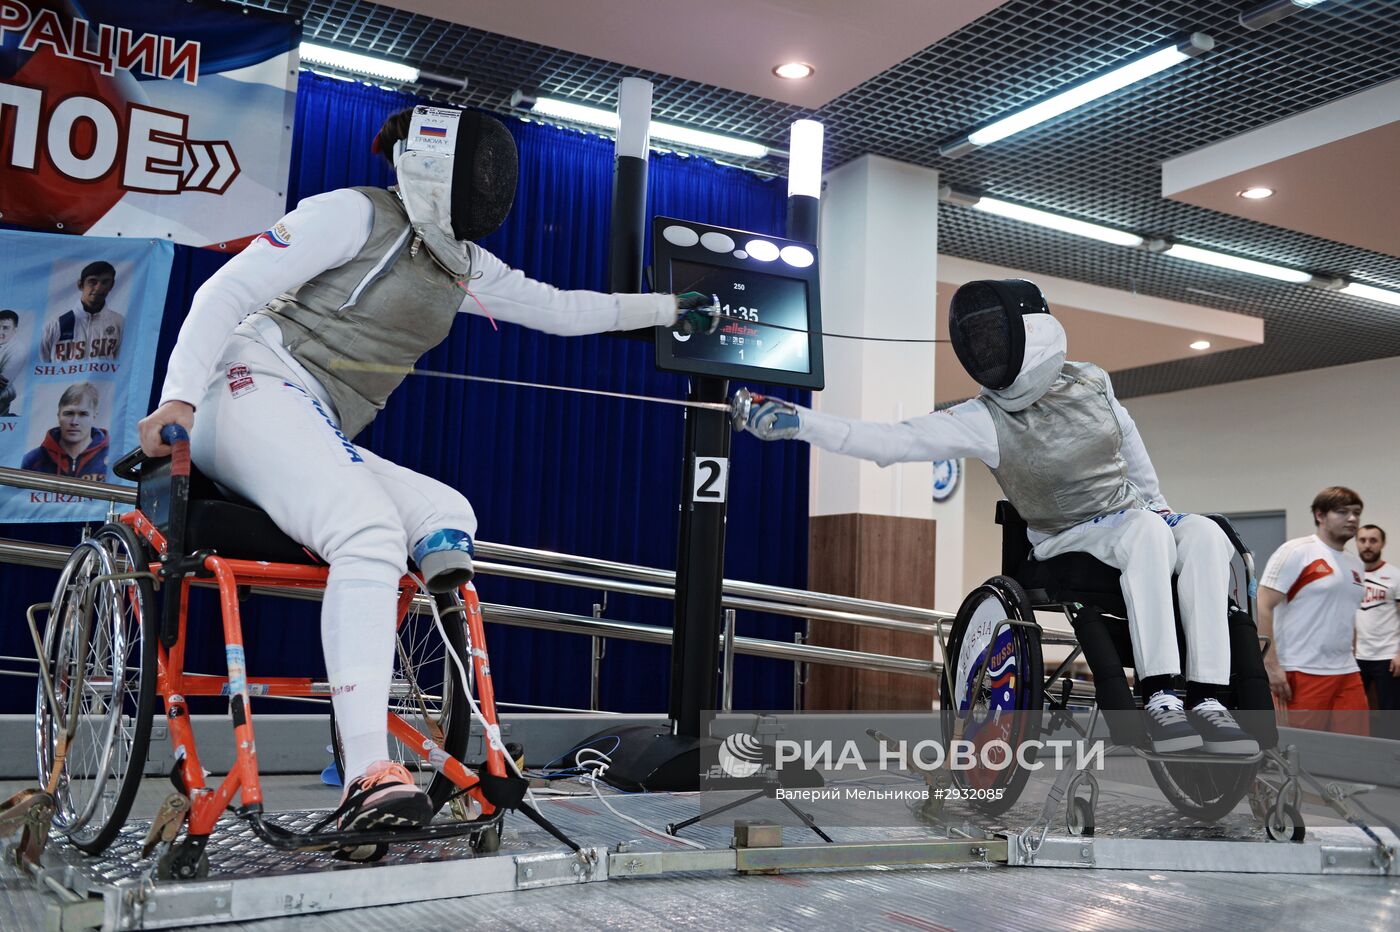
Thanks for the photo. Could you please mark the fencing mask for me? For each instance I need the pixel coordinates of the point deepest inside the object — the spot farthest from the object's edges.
(985, 323)
(456, 172)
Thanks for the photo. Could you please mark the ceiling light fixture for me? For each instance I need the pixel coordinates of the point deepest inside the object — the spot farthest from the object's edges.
(1255, 194)
(359, 64)
(572, 112)
(794, 70)
(1223, 260)
(1266, 14)
(1082, 93)
(1200, 345)
(1371, 292)
(1041, 218)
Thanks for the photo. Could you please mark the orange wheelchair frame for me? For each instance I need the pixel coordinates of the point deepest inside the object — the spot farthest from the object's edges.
(198, 805)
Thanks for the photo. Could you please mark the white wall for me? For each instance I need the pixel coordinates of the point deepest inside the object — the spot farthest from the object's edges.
(1273, 443)
(879, 243)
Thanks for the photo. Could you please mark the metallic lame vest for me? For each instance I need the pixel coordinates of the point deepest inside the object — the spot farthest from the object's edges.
(360, 327)
(1060, 462)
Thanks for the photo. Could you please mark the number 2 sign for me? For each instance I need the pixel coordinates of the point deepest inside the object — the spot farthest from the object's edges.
(711, 479)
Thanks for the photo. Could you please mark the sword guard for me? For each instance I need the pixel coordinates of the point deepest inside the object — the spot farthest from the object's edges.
(744, 401)
(740, 407)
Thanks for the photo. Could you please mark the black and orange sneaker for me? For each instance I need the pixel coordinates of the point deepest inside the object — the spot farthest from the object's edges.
(385, 797)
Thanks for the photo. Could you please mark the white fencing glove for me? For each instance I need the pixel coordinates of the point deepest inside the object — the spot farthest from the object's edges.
(775, 420)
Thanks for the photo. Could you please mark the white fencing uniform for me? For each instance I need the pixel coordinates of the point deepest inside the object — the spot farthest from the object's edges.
(1145, 541)
(268, 430)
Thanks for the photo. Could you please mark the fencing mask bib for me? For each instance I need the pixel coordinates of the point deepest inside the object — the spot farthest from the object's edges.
(457, 173)
(986, 326)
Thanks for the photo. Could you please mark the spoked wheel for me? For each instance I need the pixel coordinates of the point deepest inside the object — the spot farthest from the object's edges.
(100, 647)
(1207, 792)
(422, 693)
(993, 700)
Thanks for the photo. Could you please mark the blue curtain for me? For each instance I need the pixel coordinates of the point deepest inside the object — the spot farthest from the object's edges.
(593, 476)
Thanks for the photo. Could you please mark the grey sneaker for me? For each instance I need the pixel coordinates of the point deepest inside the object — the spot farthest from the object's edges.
(1168, 730)
(1220, 733)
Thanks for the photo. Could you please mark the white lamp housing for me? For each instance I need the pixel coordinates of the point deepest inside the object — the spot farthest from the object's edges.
(805, 159)
(634, 117)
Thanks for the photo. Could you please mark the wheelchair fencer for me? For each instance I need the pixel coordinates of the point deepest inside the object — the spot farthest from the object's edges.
(995, 687)
(110, 649)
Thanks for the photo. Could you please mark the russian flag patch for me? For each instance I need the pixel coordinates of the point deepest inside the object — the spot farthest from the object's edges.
(278, 236)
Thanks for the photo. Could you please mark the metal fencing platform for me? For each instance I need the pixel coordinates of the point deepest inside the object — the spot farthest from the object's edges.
(257, 887)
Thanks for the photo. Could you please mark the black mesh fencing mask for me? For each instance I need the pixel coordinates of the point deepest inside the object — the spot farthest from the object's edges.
(484, 169)
(986, 328)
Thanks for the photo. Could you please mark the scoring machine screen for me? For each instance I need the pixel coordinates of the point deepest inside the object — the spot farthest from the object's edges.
(759, 301)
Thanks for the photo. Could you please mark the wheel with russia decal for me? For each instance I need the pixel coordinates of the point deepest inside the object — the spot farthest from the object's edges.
(992, 693)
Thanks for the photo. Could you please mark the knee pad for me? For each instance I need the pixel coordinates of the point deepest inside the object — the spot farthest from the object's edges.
(444, 557)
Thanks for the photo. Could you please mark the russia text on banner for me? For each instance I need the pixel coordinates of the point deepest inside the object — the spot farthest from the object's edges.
(79, 321)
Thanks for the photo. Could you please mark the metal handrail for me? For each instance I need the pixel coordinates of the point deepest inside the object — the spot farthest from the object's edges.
(43, 482)
(50, 555)
(737, 589)
(600, 575)
(636, 580)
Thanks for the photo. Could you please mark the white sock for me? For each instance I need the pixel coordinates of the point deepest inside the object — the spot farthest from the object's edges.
(357, 636)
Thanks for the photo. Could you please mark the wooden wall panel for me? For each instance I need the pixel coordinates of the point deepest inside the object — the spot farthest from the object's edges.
(870, 557)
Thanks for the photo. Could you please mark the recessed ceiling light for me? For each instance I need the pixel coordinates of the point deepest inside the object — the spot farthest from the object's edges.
(607, 119)
(1077, 95)
(1059, 222)
(360, 64)
(1356, 289)
(794, 70)
(1256, 194)
(1237, 263)
(1201, 345)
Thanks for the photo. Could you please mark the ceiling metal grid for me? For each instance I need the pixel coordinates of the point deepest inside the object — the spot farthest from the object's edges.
(1100, 163)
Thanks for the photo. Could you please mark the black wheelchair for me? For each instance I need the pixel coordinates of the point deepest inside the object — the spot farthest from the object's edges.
(995, 688)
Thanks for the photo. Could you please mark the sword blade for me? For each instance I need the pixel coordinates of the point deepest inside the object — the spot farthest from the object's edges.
(463, 377)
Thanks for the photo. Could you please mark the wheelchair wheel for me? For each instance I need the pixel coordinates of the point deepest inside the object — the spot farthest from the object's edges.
(1207, 792)
(100, 646)
(1006, 706)
(422, 690)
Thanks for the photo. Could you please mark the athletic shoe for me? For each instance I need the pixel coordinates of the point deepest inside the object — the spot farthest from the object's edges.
(1168, 731)
(1220, 733)
(385, 797)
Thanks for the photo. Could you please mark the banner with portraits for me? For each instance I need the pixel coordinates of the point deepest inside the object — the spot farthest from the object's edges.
(79, 322)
